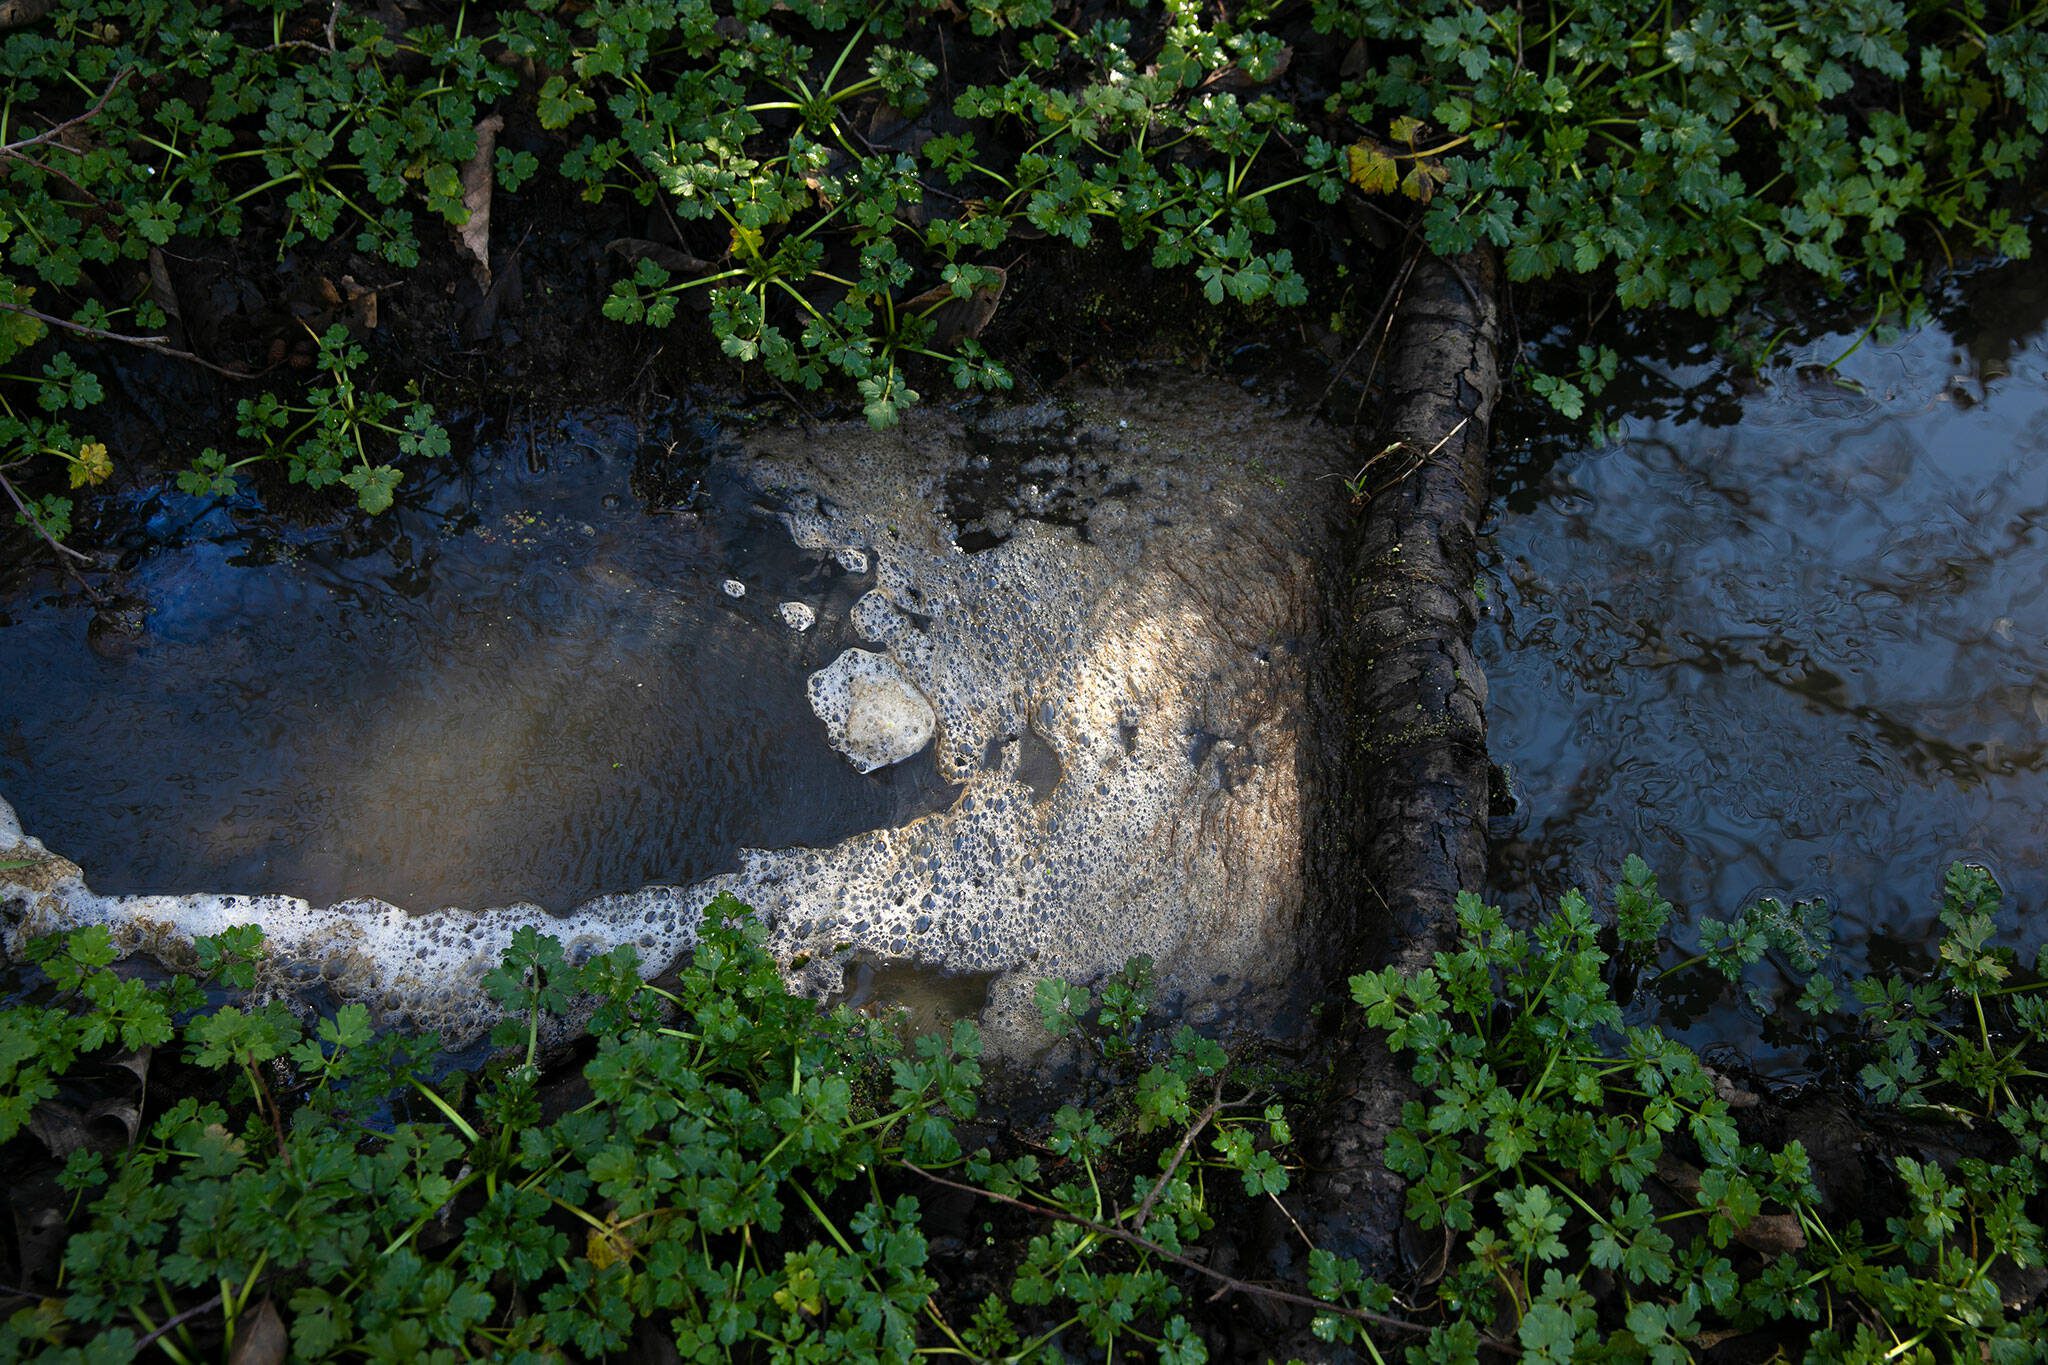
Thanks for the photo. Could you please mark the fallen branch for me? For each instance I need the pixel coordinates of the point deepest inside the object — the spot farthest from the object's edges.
(156, 344)
(1227, 1283)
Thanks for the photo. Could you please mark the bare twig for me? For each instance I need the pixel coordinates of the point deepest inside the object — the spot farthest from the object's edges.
(47, 169)
(180, 1320)
(1287, 1213)
(1382, 322)
(156, 344)
(1228, 1283)
(65, 554)
(31, 519)
(48, 134)
(1187, 1140)
(1357, 481)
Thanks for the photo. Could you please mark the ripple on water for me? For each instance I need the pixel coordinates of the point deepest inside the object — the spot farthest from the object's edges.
(1801, 652)
(518, 685)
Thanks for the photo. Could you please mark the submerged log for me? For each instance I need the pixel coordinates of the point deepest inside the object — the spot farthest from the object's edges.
(1408, 822)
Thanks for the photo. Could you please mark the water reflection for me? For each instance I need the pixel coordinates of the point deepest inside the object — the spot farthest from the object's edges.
(524, 683)
(1789, 638)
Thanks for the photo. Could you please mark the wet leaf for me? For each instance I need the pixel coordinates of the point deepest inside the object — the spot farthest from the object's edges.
(669, 258)
(122, 1112)
(59, 1127)
(955, 317)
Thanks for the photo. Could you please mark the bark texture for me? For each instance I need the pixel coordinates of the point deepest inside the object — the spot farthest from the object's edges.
(1408, 827)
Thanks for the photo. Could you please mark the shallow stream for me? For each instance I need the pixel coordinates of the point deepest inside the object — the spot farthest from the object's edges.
(1002, 694)
(525, 683)
(1788, 637)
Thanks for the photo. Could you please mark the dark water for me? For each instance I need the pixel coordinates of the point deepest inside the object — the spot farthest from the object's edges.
(524, 683)
(1790, 638)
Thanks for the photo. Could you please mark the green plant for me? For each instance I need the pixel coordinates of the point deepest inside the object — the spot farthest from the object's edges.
(1683, 151)
(330, 436)
(742, 1173)
(738, 1169)
(1594, 1190)
(1108, 1018)
(1706, 193)
(849, 210)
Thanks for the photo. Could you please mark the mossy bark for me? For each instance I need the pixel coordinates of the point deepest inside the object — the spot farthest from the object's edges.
(1407, 829)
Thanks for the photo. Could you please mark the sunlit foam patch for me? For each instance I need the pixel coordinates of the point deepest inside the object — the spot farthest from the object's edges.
(1120, 690)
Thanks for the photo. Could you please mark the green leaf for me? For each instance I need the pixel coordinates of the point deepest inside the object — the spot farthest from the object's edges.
(375, 486)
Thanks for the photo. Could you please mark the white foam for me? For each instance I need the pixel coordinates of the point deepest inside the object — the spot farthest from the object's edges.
(734, 588)
(872, 711)
(797, 616)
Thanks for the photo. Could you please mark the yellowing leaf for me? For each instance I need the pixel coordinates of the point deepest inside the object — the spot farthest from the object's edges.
(1404, 129)
(607, 1246)
(1372, 170)
(92, 464)
(746, 241)
(1422, 179)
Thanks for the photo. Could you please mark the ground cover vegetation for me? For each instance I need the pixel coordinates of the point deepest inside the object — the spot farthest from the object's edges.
(840, 197)
(738, 1175)
(842, 190)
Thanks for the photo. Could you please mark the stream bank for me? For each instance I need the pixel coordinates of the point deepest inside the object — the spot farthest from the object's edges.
(1408, 831)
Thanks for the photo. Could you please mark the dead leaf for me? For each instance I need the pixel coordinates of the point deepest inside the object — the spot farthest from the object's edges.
(1372, 168)
(59, 1127)
(122, 1112)
(671, 259)
(1731, 1094)
(16, 13)
(362, 304)
(40, 1229)
(136, 1061)
(954, 317)
(1422, 179)
(1427, 1253)
(478, 176)
(607, 1246)
(1354, 64)
(165, 297)
(1774, 1234)
(261, 1339)
(1770, 1233)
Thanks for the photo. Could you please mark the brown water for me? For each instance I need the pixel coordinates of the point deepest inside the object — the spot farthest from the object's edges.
(524, 683)
(1788, 638)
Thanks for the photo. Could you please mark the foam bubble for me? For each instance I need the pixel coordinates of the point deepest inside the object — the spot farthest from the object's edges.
(797, 616)
(872, 711)
(734, 588)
